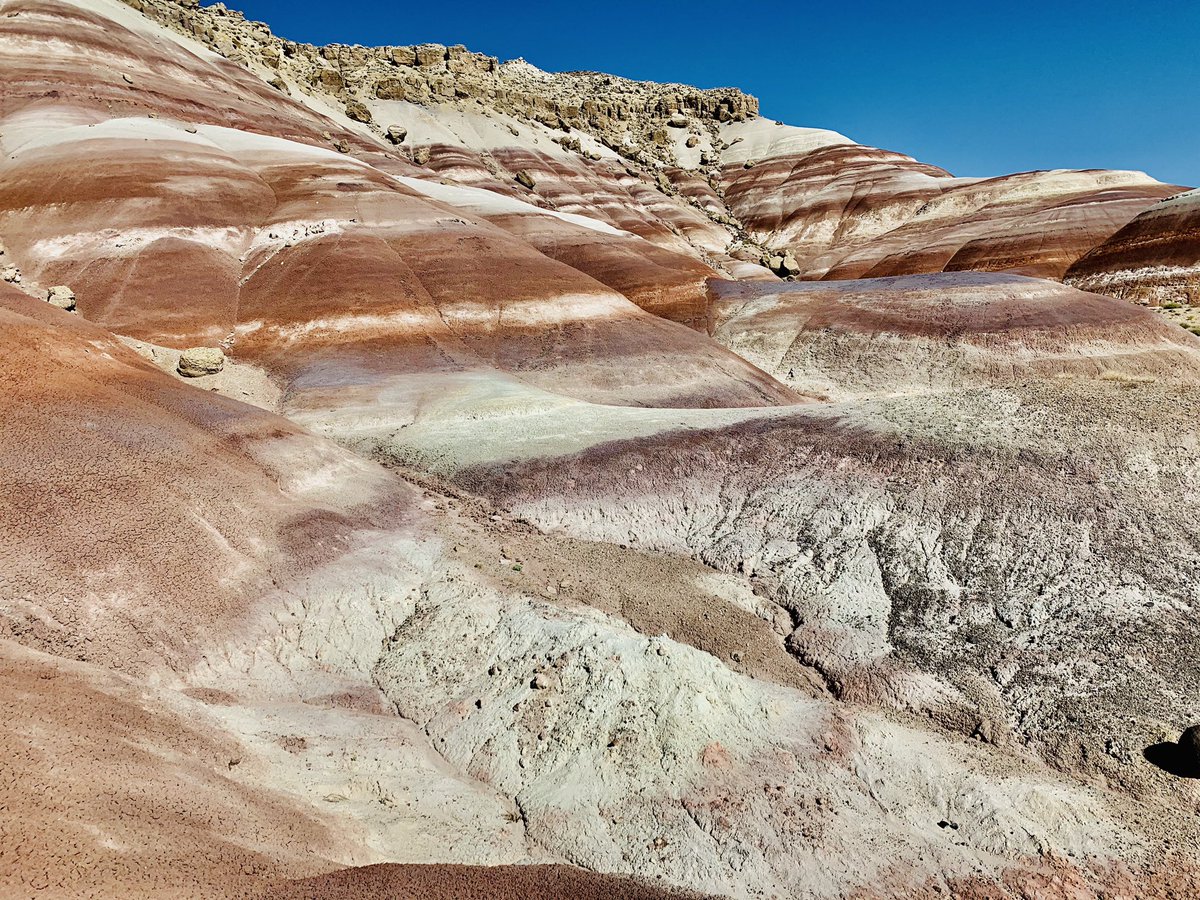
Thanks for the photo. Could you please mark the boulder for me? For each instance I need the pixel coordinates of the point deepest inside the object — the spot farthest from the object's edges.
(11, 274)
(62, 297)
(391, 89)
(198, 361)
(524, 178)
(784, 264)
(397, 133)
(1189, 747)
(692, 140)
(358, 111)
(678, 120)
(421, 156)
(328, 79)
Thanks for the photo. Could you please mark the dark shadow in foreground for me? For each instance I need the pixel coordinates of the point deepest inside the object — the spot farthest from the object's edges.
(1170, 757)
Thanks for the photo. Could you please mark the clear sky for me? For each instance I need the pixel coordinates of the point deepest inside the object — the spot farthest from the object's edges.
(979, 88)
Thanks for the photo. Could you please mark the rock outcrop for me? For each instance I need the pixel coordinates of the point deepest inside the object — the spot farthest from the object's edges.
(626, 114)
(61, 297)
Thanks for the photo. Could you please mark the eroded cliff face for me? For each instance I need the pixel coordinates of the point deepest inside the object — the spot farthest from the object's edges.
(531, 520)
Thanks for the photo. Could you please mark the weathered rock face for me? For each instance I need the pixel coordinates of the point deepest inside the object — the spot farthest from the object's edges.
(1154, 259)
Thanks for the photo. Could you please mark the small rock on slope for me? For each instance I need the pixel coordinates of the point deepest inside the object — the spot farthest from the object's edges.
(62, 297)
(199, 361)
(358, 111)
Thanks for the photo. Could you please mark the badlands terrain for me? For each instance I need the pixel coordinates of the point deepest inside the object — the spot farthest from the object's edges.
(427, 476)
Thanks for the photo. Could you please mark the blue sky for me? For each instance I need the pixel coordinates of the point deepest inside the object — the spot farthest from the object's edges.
(978, 88)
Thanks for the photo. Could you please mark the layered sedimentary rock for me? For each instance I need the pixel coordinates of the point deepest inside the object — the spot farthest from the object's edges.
(281, 244)
(929, 333)
(848, 211)
(1155, 259)
(511, 550)
(696, 172)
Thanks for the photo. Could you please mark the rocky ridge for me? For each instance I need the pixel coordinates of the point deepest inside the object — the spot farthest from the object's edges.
(632, 117)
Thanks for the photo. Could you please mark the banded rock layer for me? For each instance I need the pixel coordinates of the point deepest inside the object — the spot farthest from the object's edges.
(1154, 259)
(731, 187)
(534, 538)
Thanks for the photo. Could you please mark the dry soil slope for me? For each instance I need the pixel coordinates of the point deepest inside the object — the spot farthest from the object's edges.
(963, 532)
(151, 528)
(143, 517)
(283, 654)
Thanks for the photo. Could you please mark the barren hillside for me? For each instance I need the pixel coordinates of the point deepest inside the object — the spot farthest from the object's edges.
(425, 475)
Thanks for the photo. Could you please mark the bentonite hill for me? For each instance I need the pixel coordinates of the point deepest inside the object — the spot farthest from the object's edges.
(426, 476)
